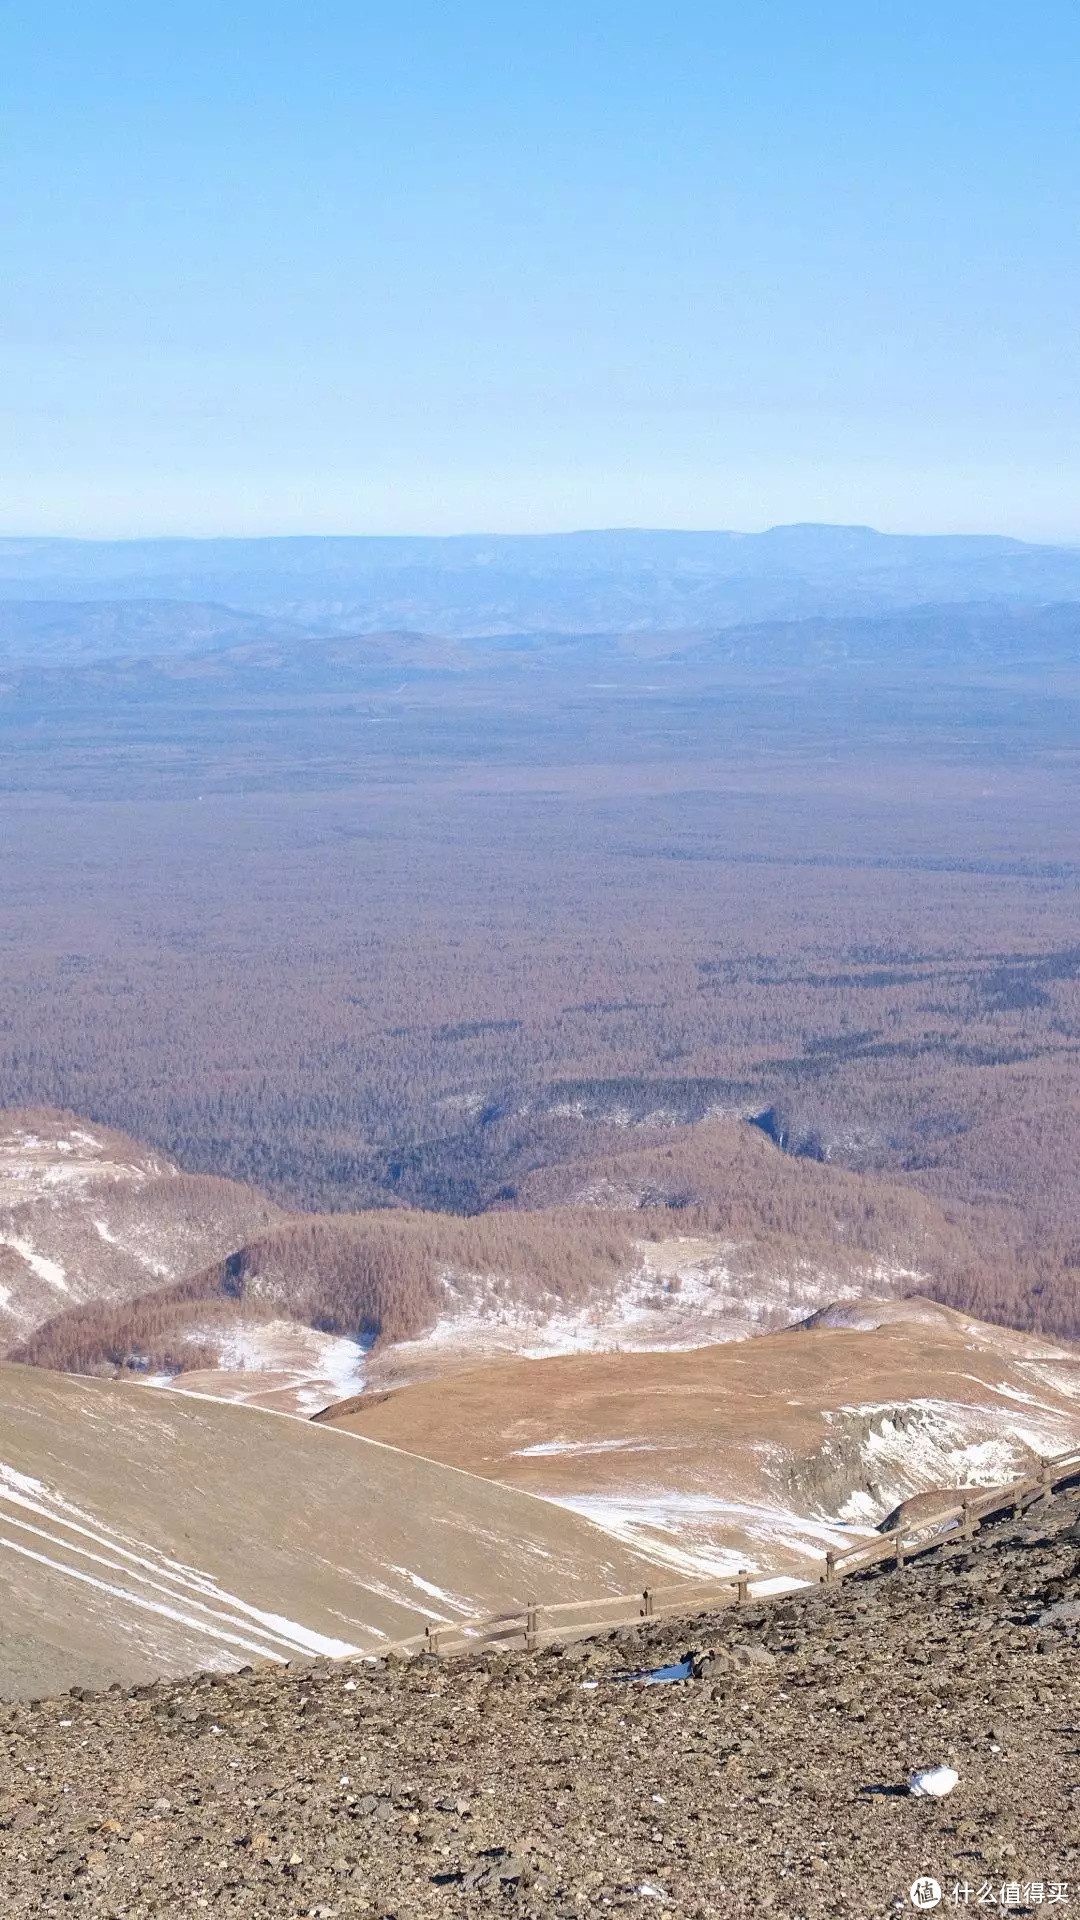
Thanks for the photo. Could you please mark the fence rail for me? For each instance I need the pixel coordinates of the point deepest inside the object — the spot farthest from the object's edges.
(539, 1623)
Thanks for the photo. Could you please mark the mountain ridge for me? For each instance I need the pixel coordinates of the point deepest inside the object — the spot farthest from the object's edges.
(601, 580)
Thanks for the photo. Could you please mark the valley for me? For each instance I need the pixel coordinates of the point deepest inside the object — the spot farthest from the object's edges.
(694, 1402)
(629, 1068)
(539, 962)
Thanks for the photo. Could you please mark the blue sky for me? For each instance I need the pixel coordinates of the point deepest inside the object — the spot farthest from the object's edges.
(409, 267)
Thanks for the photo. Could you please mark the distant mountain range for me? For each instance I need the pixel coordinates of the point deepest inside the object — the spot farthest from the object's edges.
(96, 598)
(164, 650)
(68, 632)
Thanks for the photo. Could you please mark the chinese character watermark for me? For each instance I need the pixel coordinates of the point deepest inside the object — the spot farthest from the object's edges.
(926, 1892)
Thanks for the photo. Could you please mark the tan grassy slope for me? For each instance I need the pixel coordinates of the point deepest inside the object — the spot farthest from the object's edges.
(87, 1214)
(757, 1452)
(147, 1533)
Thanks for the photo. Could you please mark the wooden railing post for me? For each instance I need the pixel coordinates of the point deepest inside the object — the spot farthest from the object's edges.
(492, 1629)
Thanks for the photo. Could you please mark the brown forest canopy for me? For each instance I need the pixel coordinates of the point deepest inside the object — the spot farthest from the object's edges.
(419, 945)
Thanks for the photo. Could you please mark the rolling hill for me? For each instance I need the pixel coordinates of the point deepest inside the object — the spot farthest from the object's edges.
(708, 1234)
(591, 581)
(756, 1453)
(145, 1534)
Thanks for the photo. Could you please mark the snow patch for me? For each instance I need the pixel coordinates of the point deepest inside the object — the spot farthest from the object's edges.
(159, 1268)
(453, 1600)
(48, 1270)
(680, 1528)
(545, 1447)
(922, 1445)
(296, 1368)
(684, 1292)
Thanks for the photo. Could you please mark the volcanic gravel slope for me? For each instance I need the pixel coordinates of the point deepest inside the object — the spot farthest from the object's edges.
(542, 1785)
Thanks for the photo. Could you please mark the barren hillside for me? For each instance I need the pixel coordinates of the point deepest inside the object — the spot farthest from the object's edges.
(143, 1534)
(87, 1214)
(760, 1453)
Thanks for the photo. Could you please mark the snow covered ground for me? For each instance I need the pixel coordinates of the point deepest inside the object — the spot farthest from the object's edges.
(50, 1271)
(87, 1214)
(54, 1160)
(929, 1444)
(276, 1364)
(684, 1292)
(681, 1530)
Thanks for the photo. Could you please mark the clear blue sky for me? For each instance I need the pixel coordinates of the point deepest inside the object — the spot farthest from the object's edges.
(417, 267)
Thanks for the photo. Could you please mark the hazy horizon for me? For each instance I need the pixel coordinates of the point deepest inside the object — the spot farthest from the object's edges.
(545, 532)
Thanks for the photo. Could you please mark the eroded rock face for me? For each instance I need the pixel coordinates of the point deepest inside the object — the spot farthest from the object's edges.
(544, 1784)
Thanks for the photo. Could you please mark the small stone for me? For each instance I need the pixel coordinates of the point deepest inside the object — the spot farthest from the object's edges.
(753, 1654)
(1065, 1613)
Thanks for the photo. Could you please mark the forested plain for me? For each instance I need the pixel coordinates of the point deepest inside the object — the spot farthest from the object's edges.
(400, 929)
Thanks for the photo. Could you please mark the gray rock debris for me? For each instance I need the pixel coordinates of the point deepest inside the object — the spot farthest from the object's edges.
(498, 1785)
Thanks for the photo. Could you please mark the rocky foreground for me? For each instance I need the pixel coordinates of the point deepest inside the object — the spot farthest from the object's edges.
(546, 1785)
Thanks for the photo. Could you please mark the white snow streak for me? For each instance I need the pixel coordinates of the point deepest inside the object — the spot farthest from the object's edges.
(213, 1611)
(545, 1447)
(680, 1528)
(48, 1270)
(466, 1607)
(138, 1600)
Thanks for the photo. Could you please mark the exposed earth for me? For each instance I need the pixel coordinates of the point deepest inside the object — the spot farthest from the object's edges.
(543, 1785)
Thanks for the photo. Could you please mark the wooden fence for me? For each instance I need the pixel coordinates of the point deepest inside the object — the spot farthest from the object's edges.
(538, 1624)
